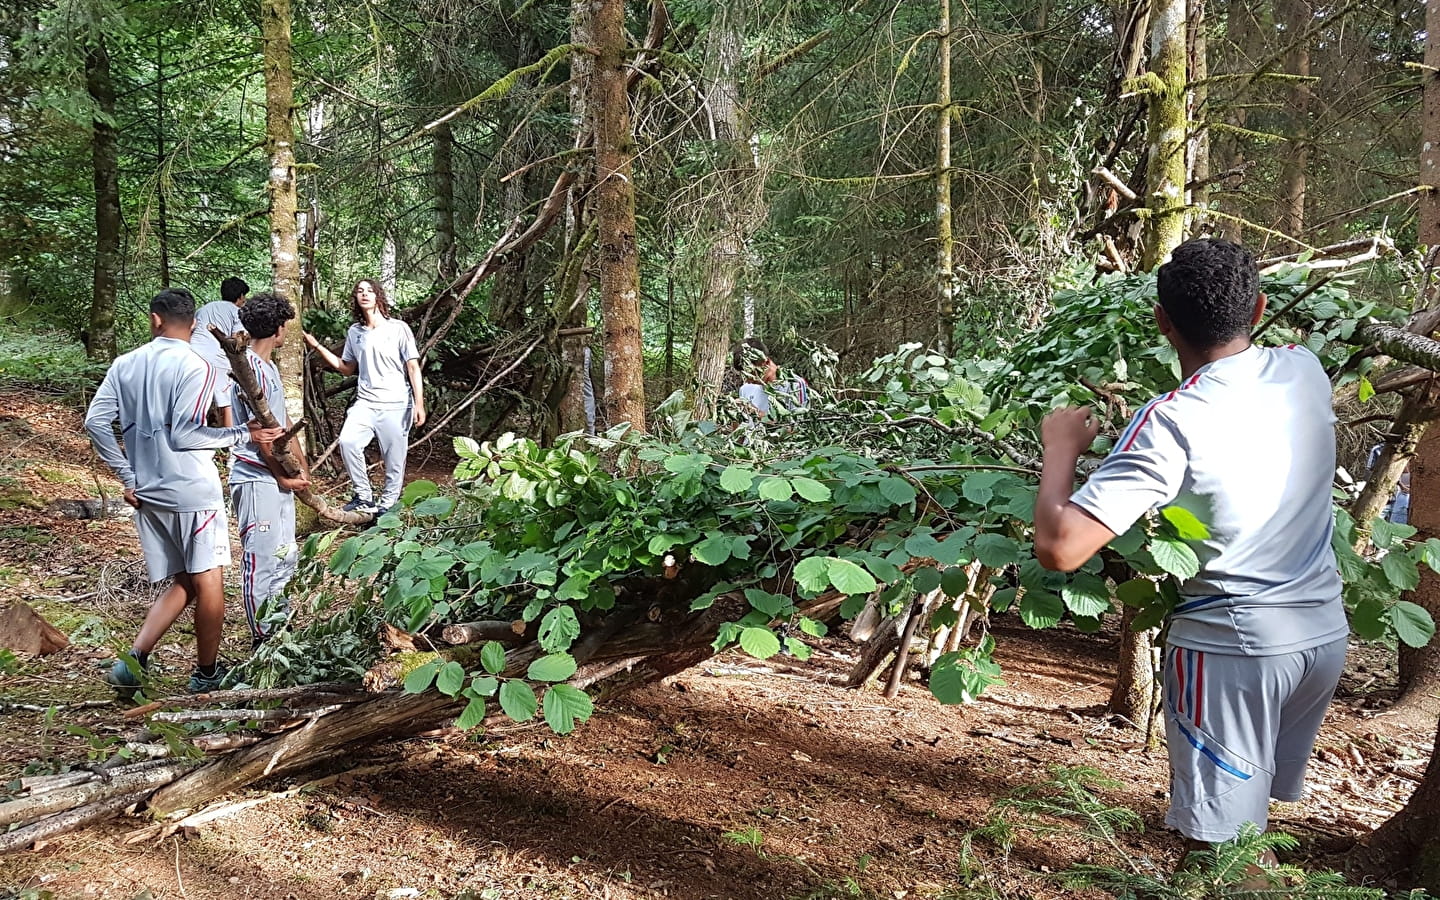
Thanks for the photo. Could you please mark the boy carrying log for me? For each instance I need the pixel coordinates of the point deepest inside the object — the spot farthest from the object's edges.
(159, 395)
(1246, 443)
(263, 496)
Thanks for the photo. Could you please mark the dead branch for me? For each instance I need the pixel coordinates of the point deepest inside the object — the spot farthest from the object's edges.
(255, 398)
(471, 632)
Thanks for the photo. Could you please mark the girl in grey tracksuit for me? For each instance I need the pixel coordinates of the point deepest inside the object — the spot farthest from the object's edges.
(389, 398)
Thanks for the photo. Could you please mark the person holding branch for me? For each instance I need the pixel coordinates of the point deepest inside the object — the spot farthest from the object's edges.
(389, 396)
(263, 495)
(1246, 445)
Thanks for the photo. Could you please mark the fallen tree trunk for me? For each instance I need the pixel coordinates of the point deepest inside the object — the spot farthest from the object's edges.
(255, 399)
(29, 808)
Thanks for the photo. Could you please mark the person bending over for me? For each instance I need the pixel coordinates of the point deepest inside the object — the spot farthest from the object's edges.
(225, 315)
(262, 494)
(1245, 442)
(389, 398)
(158, 395)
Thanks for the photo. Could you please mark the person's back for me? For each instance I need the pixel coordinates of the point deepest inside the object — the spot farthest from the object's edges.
(1256, 434)
(146, 384)
(224, 314)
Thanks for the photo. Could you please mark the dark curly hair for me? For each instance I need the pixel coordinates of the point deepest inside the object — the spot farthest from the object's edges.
(1208, 289)
(382, 302)
(263, 314)
(232, 289)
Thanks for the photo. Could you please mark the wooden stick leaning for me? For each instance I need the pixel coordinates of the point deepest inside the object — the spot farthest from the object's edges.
(255, 399)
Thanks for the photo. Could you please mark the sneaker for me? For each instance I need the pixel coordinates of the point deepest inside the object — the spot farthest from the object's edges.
(121, 677)
(200, 684)
(358, 505)
(387, 510)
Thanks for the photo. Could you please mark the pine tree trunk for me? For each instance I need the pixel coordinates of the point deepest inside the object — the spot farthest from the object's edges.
(1420, 666)
(105, 160)
(444, 161)
(1165, 137)
(1199, 148)
(1298, 17)
(730, 205)
(944, 233)
(1134, 689)
(1412, 836)
(575, 288)
(162, 223)
(615, 219)
(280, 148)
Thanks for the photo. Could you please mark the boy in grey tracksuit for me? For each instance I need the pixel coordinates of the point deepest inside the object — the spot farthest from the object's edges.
(1246, 444)
(263, 495)
(225, 315)
(159, 395)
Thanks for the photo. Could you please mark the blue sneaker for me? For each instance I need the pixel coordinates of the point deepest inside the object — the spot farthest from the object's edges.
(203, 684)
(358, 505)
(122, 678)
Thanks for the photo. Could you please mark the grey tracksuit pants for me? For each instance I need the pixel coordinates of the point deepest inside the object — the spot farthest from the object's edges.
(269, 555)
(390, 425)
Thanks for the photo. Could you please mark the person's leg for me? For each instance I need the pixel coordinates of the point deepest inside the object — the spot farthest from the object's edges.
(163, 613)
(1301, 716)
(209, 587)
(272, 554)
(393, 430)
(355, 436)
(243, 497)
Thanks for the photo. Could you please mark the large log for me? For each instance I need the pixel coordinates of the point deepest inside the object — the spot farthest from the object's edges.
(28, 809)
(234, 347)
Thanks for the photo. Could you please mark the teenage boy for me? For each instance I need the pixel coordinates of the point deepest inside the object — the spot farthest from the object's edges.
(158, 395)
(761, 376)
(1247, 444)
(225, 315)
(262, 494)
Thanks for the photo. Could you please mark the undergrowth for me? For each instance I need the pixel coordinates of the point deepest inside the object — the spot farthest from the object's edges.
(46, 361)
(1068, 804)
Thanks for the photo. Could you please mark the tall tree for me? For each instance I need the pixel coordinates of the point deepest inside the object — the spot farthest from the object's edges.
(944, 233)
(1297, 17)
(275, 25)
(615, 219)
(105, 156)
(731, 204)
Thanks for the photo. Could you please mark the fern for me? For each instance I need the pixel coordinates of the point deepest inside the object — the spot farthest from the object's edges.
(1068, 804)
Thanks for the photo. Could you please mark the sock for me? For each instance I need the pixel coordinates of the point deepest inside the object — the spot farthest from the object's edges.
(209, 671)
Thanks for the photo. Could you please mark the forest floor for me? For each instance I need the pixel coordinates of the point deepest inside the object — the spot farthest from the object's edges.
(737, 779)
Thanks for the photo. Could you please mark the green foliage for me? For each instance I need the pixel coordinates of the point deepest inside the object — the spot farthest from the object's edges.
(45, 361)
(1070, 804)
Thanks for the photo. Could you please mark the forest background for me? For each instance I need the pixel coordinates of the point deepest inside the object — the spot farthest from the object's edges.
(657, 181)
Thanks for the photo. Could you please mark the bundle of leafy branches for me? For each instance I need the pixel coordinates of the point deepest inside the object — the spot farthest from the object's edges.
(918, 483)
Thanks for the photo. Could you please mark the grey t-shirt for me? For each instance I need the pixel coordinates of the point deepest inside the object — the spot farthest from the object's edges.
(224, 315)
(381, 353)
(1246, 444)
(159, 394)
(247, 463)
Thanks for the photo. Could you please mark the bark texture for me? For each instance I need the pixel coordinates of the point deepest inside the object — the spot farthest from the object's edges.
(1165, 138)
(615, 219)
(280, 149)
(731, 205)
(944, 232)
(1420, 666)
(104, 153)
(1298, 17)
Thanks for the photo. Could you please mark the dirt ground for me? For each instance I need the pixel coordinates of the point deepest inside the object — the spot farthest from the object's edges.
(738, 779)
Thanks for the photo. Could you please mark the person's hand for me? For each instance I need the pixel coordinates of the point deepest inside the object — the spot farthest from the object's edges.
(293, 485)
(417, 417)
(1069, 430)
(310, 340)
(131, 499)
(262, 435)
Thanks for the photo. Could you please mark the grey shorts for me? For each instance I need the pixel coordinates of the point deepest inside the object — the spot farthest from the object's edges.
(175, 542)
(1240, 730)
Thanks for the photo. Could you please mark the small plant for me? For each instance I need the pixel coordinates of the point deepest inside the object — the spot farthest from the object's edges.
(750, 837)
(1068, 803)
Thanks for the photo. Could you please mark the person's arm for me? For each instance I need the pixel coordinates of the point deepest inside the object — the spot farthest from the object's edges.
(417, 392)
(299, 482)
(343, 366)
(188, 431)
(411, 354)
(100, 421)
(1065, 534)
